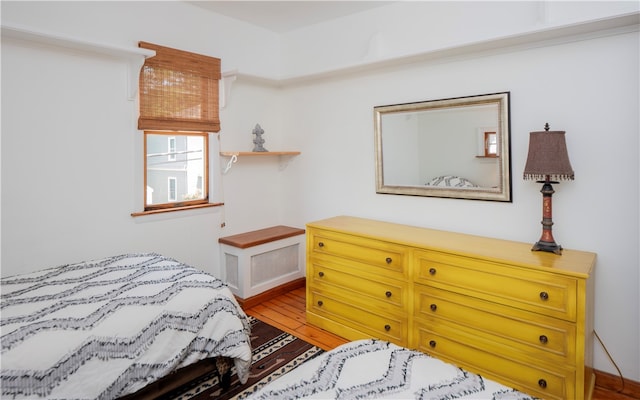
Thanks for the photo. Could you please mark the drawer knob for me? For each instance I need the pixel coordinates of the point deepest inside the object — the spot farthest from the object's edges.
(542, 383)
(432, 271)
(320, 274)
(544, 339)
(388, 294)
(320, 244)
(433, 307)
(388, 260)
(320, 303)
(387, 328)
(544, 296)
(432, 343)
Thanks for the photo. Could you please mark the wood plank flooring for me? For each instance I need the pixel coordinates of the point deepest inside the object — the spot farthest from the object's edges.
(287, 312)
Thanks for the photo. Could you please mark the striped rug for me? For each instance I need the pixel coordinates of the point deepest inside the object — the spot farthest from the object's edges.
(274, 354)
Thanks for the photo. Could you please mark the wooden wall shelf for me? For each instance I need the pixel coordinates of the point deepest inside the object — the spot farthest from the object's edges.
(235, 154)
(258, 153)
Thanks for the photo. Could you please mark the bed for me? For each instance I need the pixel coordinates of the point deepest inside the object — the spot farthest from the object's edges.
(371, 368)
(108, 328)
(448, 181)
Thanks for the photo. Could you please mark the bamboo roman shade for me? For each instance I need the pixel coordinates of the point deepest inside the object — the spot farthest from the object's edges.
(179, 91)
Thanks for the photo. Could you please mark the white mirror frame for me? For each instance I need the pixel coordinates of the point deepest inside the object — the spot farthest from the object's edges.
(499, 192)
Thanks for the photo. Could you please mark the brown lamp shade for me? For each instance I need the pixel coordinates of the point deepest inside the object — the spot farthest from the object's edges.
(548, 158)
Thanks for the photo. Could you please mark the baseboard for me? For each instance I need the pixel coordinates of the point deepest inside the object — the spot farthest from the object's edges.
(271, 293)
(614, 383)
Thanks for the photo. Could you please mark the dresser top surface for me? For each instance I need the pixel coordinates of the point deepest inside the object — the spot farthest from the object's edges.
(571, 262)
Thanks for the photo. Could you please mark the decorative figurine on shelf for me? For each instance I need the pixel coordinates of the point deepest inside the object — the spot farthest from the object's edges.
(258, 141)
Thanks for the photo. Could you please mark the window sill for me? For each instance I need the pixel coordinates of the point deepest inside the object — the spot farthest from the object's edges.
(173, 209)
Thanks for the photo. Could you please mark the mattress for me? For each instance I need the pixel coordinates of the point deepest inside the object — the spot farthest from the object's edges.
(375, 369)
(106, 328)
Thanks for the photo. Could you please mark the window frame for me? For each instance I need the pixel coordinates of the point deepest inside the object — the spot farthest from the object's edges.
(185, 204)
(488, 143)
(195, 82)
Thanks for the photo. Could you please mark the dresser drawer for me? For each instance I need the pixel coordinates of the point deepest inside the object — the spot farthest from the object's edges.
(533, 290)
(371, 291)
(384, 327)
(525, 333)
(384, 257)
(519, 317)
(531, 378)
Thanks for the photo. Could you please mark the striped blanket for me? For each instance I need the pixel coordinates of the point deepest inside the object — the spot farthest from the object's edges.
(107, 328)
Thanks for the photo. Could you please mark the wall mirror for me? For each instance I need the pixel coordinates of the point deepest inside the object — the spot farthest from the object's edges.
(456, 148)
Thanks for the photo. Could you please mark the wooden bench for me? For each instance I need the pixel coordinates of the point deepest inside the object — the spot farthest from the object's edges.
(262, 264)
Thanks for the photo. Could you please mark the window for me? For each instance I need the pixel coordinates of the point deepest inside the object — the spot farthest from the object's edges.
(178, 111)
(181, 181)
(171, 143)
(490, 144)
(171, 189)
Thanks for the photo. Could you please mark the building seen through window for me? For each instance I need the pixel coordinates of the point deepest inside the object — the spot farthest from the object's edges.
(175, 167)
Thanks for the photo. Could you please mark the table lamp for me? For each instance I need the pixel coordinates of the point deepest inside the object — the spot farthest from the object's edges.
(547, 163)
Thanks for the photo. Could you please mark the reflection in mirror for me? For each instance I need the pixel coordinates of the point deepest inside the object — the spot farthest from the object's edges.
(455, 148)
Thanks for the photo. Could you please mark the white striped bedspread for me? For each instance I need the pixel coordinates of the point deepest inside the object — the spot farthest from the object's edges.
(107, 328)
(375, 369)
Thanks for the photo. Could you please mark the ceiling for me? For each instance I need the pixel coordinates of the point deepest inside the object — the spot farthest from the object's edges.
(285, 16)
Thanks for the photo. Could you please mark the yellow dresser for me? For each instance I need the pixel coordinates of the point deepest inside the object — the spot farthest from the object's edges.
(491, 306)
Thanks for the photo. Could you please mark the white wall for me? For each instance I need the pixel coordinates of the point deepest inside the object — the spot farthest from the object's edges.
(69, 183)
(72, 156)
(405, 28)
(588, 88)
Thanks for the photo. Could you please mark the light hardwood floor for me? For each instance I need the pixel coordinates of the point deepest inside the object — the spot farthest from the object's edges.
(287, 312)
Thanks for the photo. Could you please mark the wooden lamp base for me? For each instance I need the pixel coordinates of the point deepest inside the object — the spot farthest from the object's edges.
(547, 242)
